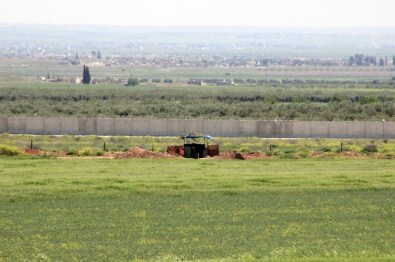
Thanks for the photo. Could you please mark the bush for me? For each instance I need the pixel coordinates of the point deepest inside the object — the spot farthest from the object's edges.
(244, 149)
(303, 154)
(132, 82)
(325, 149)
(71, 152)
(370, 148)
(389, 156)
(86, 152)
(100, 153)
(272, 153)
(90, 152)
(10, 151)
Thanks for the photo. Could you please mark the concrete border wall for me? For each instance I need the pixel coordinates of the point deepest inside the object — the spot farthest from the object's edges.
(338, 129)
(389, 130)
(105, 126)
(35, 125)
(87, 126)
(16, 125)
(177, 127)
(69, 126)
(53, 125)
(3, 124)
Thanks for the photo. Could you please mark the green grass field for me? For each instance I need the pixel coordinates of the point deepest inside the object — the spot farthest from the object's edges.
(178, 209)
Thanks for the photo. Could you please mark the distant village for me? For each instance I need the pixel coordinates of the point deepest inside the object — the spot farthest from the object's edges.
(95, 58)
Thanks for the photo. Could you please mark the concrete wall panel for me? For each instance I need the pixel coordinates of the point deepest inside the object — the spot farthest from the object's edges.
(283, 129)
(3, 124)
(374, 129)
(87, 126)
(194, 126)
(16, 125)
(176, 127)
(389, 130)
(301, 129)
(105, 126)
(158, 127)
(265, 128)
(356, 129)
(35, 125)
(123, 127)
(69, 126)
(212, 127)
(52, 125)
(140, 127)
(229, 128)
(319, 129)
(338, 129)
(248, 128)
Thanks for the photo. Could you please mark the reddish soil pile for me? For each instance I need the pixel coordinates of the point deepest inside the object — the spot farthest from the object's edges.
(34, 152)
(138, 152)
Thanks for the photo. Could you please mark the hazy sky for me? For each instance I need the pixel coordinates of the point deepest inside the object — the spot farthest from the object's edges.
(298, 13)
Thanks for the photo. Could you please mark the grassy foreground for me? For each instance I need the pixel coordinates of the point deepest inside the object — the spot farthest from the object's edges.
(173, 209)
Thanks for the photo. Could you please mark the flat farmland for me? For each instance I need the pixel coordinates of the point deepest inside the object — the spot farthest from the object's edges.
(31, 69)
(278, 101)
(327, 93)
(178, 209)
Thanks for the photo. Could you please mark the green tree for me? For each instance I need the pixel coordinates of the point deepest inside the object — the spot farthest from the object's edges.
(382, 62)
(132, 82)
(86, 76)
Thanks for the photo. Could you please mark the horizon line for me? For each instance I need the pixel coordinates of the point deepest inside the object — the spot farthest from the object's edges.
(199, 26)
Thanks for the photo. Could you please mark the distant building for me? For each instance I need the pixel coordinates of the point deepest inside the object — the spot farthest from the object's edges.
(198, 82)
(225, 82)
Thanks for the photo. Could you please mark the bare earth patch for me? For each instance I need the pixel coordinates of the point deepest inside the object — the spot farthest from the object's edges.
(138, 152)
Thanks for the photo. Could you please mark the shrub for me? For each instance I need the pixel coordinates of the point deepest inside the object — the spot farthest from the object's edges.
(303, 154)
(370, 148)
(132, 82)
(10, 151)
(100, 153)
(71, 152)
(272, 153)
(325, 149)
(86, 152)
(244, 149)
(389, 156)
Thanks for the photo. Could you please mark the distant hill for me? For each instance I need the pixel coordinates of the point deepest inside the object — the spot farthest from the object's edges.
(237, 40)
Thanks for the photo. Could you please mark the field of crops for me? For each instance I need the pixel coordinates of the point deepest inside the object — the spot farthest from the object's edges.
(286, 92)
(288, 101)
(169, 209)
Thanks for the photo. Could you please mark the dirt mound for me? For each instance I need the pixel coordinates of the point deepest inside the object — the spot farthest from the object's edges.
(35, 152)
(138, 152)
